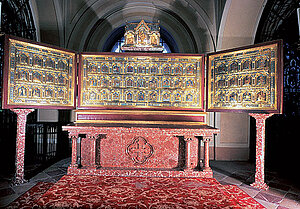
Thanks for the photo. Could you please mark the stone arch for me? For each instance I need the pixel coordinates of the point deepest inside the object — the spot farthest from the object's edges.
(186, 21)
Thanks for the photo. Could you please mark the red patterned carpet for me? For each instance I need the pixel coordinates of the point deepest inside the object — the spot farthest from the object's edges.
(28, 200)
(142, 192)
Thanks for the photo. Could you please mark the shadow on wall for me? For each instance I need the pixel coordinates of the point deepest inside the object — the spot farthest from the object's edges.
(8, 132)
(114, 36)
(282, 146)
(197, 36)
(91, 44)
(77, 34)
(189, 43)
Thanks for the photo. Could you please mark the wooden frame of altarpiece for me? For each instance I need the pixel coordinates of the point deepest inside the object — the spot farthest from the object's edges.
(129, 87)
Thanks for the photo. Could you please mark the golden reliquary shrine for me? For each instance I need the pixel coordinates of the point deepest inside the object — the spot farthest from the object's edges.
(142, 36)
(142, 114)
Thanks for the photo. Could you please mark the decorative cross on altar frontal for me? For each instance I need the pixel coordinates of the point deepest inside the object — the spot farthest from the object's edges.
(139, 150)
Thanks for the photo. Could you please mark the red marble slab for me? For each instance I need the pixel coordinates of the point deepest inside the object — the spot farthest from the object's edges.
(140, 172)
(140, 117)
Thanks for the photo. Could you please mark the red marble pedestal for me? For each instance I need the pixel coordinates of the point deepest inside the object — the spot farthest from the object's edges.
(260, 150)
(20, 144)
(139, 151)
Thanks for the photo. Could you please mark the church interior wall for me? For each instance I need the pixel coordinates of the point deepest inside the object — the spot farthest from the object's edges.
(238, 27)
(45, 115)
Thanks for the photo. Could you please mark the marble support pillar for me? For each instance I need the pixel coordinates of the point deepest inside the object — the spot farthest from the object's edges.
(206, 153)
(93, 137)
(188, 157)
(74, 138)
(260, 150)
(20, 144)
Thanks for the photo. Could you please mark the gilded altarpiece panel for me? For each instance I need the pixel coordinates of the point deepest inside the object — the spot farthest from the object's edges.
(246, 79)
(38, 76)
(128, 80)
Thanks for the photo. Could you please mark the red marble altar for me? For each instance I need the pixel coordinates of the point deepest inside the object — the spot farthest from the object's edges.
(20, 144)
(139, 151)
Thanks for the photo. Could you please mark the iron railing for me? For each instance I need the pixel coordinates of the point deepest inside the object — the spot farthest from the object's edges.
(46, 143)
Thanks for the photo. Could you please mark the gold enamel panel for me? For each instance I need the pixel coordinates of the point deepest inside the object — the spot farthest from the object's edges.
(141, 81)
(248, 79)
(38, 76)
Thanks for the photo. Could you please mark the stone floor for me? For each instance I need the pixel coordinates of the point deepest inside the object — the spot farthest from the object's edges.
(280, 195)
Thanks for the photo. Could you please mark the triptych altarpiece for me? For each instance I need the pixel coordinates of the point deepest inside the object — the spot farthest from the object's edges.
(45, 77)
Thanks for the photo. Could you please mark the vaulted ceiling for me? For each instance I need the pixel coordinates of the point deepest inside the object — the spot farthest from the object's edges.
(189, 26)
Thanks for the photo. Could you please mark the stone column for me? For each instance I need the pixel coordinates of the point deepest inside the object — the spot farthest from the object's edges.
(206, 152)
(74, 138)
(20, 144)
(188, 157)
(98, 149)
(93, 137)
(260, 150)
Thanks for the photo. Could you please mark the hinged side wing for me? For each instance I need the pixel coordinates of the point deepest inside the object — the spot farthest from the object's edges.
(38, 75)
(247, 79)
